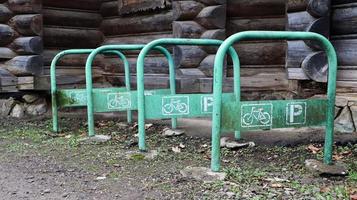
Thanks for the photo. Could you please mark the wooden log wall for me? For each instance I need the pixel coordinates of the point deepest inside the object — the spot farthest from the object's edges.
(69, 24)
(197, 19)
(262, 62)
(136, 27)
(344, 38)
(305, 60)
(20, 41)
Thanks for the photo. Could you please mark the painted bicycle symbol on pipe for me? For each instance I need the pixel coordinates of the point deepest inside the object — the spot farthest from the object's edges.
(257, 115)
(177, 105)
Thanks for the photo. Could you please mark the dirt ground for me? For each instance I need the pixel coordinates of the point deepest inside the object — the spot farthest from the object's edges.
(35, 164)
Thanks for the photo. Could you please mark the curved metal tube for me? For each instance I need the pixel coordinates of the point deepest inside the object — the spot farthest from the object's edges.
(140, 74)
(271, 35)
(89, 84)
(54, 83)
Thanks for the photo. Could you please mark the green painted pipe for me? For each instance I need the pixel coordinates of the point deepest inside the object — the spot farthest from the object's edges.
(271, 35)
(140, 75)
(89, 84)
(54, 85)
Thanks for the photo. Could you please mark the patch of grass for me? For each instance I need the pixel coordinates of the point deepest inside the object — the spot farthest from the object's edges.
(137, 156)
(247, 175)
(352, 176)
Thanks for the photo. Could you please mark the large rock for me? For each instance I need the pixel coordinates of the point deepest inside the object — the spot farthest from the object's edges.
(6, 106)
(337, 169)
(344, 122)
(18, 111)
(30, 98)
(38, 108)
(202, 174)
(97, 139)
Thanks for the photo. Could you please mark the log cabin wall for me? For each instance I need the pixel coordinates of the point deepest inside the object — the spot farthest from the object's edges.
(197, 19)
(136, 22)
(305, 59)
(344, 38)
(20, 41)
(69, 24)
(262, 62)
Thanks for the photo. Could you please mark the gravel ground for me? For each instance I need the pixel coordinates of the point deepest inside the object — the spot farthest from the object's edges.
(35, 164)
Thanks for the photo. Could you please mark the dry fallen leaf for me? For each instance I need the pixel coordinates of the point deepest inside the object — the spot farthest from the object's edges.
(176, 149)
(182, 146)
(353, 197)
(147, 126)
(313, 149)
(276, 185)
(324, 189)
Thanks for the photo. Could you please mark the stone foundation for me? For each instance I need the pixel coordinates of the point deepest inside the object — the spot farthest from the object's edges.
(27, 105)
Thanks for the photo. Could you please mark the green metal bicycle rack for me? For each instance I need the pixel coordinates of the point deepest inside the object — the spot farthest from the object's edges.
(117, 99)
(231, 114)
(77, 97)
(163, 106)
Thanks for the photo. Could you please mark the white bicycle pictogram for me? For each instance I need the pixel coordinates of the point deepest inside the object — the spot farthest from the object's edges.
(119, 102)
(257, 114)
(175, 105)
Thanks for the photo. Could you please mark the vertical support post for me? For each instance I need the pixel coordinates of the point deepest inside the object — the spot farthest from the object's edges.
(89, 89)
(331, 95)
(54, 92)
(141, 88)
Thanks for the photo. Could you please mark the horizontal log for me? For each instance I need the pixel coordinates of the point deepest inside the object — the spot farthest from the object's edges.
(299, 21)
(27, 45)
(71, 18)
(42, 82)
(342, 74)
(296, 52)
(186, 10)
(5, 13)
(188, 56)
(212, 17)
(263, 79)
(316, 8)
(69, 60)
(153, 64)
(187, 29)
(261, 53)
(27, 25)
(138, 24)
(151, 81)
(77, 4)
(276, 23)
(7, 34)
(346, 52)
(25, 83)
(344, 21)
(303, 21)
(109, 9)
(6, 53)
(24, 65)
(219, 34)
(244, 8)
(296, 74)
(137, 38)
(71, 38)
(206, 65)
(73, 70)
(25, 6)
